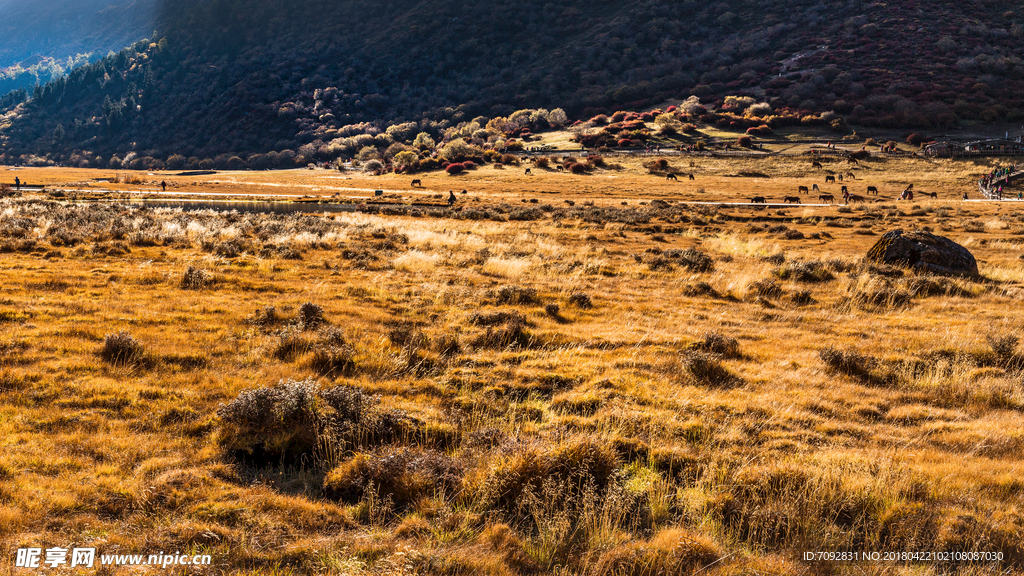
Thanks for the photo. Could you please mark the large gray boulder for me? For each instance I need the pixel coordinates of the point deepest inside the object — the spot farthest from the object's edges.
(924, 252)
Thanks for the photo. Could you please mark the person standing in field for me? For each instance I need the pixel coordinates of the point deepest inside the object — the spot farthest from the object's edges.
(451, 198)
(17, 183)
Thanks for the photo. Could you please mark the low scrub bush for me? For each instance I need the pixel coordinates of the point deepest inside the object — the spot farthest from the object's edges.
(514, 294)
(692, 259)
(311, 316)
(195, 279)
(1003, 346)
(510, 334)
(847, 362)
(716, 343)
(580, 459)
(804, 271)
(332, 360)
(122, 349)
(403, 475)
(580, 300)
(702, 369)
(292, 420)
(765, 288)
(925, 286)
(496, 318)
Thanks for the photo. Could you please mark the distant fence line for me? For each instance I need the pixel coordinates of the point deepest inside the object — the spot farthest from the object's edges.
(974, 153)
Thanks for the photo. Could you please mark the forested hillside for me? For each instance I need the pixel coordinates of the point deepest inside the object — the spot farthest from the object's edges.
(247, 76)
(37, 70)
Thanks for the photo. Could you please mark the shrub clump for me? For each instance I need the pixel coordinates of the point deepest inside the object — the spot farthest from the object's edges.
(332, 360)
(699, 289)
(121, 349)
(702, 369)
(264, 317)
(510, 333)
(580, 300)
(195, 279)
(513, 294)
(766, 289)
(924, 286)
(522, 470)
(804, 271)
(496, 318)
(716, 343)
(847, 362)
(1004, 347)
(292, 420)
(290, 343)
(692, 259)
(404, 475)
(311, 316)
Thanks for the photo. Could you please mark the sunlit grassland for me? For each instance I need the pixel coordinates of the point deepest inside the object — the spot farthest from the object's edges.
(562, 394)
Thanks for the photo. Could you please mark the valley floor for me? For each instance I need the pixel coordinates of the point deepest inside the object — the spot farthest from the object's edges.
(616, 386)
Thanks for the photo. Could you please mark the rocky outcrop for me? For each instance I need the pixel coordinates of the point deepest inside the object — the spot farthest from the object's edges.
(924, 252)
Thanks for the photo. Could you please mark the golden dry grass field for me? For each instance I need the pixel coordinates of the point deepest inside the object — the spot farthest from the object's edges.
(513, 387)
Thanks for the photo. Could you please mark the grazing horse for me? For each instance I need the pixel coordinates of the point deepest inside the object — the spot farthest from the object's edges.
(814, 188)
(840, 176)
(853, 161)
(855, 198)
(802, 190)
(851, 176)
(671, 176)
(691, 176)
(831, 179)
(757, 200)
(930, 194)
(827, 198)
(789, 199)
(843, 189)
(873, 190)
(570, 202)
(417, 182)
(528, 171)
(561, 168)
(815, 164)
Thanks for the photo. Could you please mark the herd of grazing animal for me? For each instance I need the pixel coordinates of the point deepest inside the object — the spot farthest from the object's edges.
(844, 189)
(825, 198)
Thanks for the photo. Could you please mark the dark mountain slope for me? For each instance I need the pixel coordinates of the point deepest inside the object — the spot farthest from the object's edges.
(238, 76)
